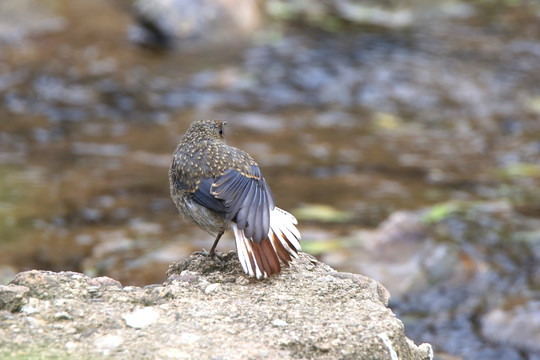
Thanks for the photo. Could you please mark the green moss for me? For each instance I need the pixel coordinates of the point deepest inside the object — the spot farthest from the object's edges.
(441, 211)
(322, 213)
(519, 170)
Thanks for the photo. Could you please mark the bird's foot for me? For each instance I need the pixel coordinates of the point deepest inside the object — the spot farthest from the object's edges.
(203, 252)
(211, 254)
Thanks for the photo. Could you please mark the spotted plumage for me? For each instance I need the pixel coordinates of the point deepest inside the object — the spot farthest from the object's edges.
(218, 186)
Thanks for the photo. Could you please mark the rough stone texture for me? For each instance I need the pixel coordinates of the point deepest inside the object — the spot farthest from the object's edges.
(13, 297)
(205, 310)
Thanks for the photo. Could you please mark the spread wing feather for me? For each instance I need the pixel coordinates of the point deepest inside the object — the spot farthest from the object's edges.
(243, 198)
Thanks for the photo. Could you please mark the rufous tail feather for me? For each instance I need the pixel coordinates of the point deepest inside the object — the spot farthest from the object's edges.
(282, 244)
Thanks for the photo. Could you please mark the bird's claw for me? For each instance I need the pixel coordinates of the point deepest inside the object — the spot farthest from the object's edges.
(213, 255)
(203, 252)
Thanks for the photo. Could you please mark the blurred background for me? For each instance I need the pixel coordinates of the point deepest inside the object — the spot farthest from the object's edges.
(404, 137)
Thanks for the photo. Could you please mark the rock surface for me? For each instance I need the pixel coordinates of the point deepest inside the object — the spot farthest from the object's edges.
(205, 310)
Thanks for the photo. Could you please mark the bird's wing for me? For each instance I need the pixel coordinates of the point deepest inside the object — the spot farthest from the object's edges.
(240, 196)
(204, 197)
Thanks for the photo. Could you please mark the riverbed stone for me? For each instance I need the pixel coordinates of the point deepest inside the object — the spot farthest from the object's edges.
(516, 322)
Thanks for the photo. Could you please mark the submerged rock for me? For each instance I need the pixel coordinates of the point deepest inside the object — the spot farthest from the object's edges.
(206, 310)
(516, 324)
(20, 19)
(190, 24)
(391, 14)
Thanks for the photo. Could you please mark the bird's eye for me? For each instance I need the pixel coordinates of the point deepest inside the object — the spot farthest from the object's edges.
(220, 131)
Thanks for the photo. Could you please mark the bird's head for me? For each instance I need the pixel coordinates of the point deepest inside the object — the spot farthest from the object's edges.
(205, 130)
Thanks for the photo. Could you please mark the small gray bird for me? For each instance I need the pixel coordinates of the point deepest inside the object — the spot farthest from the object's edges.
(218, 186)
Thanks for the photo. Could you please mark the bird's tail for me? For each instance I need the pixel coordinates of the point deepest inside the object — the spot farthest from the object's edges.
(264, 259)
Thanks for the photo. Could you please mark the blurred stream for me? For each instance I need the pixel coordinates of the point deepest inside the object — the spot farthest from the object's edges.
(410, 152)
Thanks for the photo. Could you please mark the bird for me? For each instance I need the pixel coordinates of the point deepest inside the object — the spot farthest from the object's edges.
(220, 187)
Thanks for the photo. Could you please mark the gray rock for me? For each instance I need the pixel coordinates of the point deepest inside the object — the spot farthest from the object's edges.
(13, 297)
(403, 256)
(208, 309)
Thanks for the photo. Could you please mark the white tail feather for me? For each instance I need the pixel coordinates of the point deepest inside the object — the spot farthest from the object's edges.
(283, 234)
(282, 224)
(245, 253)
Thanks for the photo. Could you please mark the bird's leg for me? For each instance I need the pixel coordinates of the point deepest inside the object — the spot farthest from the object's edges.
(212, 252)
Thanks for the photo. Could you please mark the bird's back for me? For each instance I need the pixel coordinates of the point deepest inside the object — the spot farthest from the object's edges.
(194, 161)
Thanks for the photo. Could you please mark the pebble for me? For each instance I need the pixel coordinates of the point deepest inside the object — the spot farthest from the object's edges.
(141, 318)
(212, 288)
(62, 315)
(279, 322)
(93, 290)
(108, 343)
